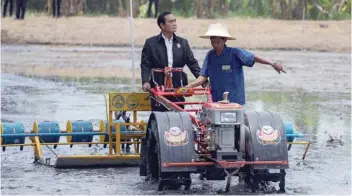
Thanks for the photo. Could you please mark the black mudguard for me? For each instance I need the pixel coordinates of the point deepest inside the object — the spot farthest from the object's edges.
(174, 149)
(264, 147)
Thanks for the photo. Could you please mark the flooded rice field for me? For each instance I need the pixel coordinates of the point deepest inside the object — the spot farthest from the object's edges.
(315, 95)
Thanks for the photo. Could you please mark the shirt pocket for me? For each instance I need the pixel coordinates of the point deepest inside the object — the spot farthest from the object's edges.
(228, 77)
(226, 70)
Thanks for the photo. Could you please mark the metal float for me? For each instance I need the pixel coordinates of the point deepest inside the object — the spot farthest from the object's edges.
(15, 133)
(47, 127)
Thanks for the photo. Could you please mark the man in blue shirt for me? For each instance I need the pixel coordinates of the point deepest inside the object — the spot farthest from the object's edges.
(223, 66)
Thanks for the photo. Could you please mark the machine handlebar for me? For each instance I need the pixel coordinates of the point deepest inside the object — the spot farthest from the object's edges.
(158, 70)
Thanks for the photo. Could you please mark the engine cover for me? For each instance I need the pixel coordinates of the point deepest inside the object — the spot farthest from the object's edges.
(224, 121)
(222, 114)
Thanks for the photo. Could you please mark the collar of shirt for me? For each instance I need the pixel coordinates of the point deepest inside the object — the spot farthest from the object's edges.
(223, 52)
(166, 39)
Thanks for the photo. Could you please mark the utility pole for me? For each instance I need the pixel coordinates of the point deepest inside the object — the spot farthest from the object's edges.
(132, 47)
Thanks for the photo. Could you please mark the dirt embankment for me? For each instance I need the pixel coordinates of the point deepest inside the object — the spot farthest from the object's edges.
(113, 31)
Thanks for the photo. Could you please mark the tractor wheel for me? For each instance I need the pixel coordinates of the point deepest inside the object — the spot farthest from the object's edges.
(249, 178)
(143, 158)
(169, 180)
(153, 165)
(252, 181)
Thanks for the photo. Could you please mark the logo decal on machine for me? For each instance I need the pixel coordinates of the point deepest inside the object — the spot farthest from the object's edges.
(118, 101)
(176, 137)
(132, 101)
(267, 135)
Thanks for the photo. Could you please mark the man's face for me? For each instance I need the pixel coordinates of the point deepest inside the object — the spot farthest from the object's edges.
(217, 42)
(170, 24)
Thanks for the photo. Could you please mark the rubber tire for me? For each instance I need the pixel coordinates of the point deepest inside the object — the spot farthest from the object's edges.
(143, 158)
(153, 166)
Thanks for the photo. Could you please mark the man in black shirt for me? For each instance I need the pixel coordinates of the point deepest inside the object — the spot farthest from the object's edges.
(167, 50)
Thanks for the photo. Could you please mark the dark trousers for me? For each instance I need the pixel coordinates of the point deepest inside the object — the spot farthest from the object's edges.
(156, 6)
(4, 7)
(21, 8)
(56, 8)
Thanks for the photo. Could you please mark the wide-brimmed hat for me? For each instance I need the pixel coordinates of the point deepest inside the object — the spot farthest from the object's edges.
(217, 30)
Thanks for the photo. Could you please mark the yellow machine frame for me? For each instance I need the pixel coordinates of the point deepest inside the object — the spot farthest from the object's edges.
(129, 102)
(134, 102)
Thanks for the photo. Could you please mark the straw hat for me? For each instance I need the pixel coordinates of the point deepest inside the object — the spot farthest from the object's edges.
(218, 30)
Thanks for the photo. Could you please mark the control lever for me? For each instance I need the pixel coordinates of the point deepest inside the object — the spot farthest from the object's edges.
(225, 98)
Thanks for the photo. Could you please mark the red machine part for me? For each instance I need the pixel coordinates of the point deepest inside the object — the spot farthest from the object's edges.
(159, 92)
(225, 164)
(227, 106)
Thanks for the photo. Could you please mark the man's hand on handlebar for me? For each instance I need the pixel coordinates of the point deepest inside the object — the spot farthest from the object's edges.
(183, 90)
(205, 84)
(146, 87)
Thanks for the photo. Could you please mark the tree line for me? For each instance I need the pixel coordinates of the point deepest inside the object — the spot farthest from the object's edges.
(210, 9)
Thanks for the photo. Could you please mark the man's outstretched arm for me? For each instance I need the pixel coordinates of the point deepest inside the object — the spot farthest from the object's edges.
(248, 59)
(278, 67)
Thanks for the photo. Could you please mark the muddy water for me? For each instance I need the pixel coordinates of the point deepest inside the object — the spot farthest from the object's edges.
(314, 95)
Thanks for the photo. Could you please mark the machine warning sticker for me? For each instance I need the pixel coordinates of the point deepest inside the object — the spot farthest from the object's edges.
(118, 101)
(176, 137)
(268, 136)
(132, 101)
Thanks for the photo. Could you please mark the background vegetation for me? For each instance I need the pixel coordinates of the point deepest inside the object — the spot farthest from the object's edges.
(210, 9)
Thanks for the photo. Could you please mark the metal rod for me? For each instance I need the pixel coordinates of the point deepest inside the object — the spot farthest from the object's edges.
(37, 149)
(191, 102)
(51, 134)
(240, 163)
(305, 152)
(122, 156)
(66, 143)
(294, 135)
(188, 164)
(179, 94)
(303, 143)
(66, 134)
(136, 142)
(123, 123)
(118, 140)
(132, 47)
(9, 145)
(192, 110)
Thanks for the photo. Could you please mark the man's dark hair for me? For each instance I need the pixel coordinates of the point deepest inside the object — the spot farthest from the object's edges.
(161, 17)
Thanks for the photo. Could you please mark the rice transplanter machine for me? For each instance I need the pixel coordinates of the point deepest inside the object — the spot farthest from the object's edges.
(219, 140)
